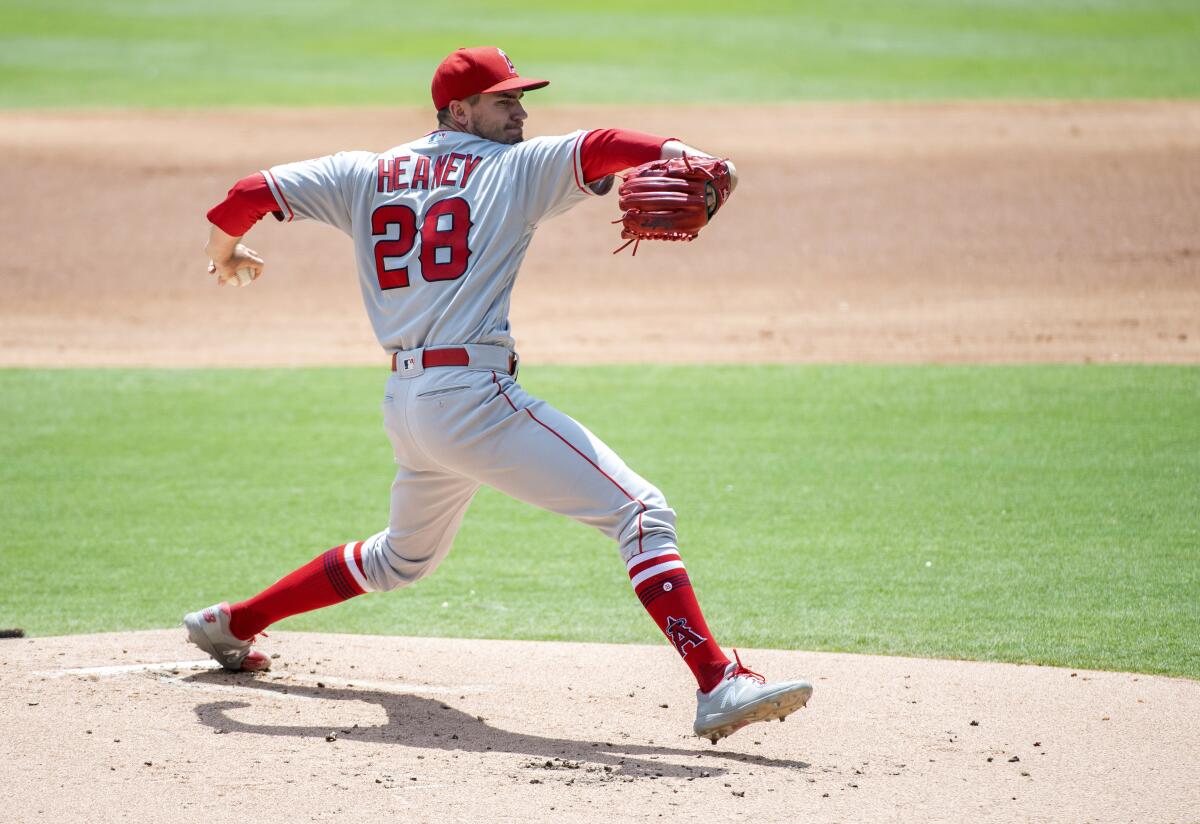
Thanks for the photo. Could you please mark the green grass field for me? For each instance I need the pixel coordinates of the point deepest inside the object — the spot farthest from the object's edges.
(1040, 514)
(220, 52)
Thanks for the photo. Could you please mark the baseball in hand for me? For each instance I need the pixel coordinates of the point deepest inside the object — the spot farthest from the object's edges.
(244, 276)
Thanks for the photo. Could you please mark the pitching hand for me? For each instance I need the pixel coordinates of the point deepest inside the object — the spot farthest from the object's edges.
(242, 258)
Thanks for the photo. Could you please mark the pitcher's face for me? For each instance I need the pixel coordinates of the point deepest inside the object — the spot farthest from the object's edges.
(498, 116)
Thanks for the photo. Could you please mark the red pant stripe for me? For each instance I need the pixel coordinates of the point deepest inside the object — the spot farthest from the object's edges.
(572, 447)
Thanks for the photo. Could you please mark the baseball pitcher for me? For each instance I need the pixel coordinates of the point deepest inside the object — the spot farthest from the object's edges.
(440, 225)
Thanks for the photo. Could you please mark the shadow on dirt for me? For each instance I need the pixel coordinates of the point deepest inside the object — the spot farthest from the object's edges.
(413, 721)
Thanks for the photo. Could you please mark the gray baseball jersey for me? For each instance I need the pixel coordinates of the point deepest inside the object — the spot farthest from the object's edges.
(440, 226)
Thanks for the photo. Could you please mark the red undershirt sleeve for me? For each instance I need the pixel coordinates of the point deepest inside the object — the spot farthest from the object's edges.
(605, 151)
(246, 204)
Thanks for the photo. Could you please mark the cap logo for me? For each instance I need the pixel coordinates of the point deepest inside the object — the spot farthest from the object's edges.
(511, 68)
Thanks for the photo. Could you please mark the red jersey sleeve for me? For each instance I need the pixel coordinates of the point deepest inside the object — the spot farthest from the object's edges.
(605, 151)
(246, 204)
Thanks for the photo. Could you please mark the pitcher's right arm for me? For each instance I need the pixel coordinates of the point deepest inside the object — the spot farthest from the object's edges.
(245, 204)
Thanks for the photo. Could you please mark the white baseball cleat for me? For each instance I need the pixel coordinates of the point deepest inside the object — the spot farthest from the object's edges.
(744, 697)
(209, 630)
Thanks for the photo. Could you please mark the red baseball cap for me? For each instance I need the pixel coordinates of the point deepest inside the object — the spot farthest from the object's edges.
(481, 70)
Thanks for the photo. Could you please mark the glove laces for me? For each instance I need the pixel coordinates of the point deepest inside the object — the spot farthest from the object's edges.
(634, 240)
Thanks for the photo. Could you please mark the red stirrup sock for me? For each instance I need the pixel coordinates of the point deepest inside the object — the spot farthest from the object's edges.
(663, 587)
(330, 578)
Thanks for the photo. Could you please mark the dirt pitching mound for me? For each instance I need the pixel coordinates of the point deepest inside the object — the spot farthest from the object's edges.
(105, 728)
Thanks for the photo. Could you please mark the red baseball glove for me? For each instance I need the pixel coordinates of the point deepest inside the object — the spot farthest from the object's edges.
(671, 199)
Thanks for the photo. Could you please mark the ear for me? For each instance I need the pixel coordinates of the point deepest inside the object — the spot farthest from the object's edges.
(459, 112)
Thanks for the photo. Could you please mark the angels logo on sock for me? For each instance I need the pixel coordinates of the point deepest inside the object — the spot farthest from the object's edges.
(683, 636)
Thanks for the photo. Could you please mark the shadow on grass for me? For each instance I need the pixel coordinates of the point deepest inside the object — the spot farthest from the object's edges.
(413, 721)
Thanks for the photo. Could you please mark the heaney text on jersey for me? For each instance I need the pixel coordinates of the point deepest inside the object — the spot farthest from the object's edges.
(453, 169)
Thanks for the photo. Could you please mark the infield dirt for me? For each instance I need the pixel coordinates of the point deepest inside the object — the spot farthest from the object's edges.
(907, 233)
(123, 727)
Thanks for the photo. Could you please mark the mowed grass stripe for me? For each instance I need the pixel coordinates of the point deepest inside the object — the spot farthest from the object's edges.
(222, 53)
(1036, 513)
